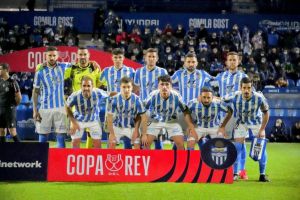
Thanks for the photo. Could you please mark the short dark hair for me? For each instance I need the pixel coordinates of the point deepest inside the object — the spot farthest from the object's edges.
(5, 66)
(118, 51)
(190, 54)
(87, 78)
(125, 80)
(51, 48)
(207, 89)
(82, 48)
(245, 80)
(164, 78)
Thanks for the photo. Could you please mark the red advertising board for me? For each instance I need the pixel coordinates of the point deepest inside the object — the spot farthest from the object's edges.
(26, 60)
(105, 165)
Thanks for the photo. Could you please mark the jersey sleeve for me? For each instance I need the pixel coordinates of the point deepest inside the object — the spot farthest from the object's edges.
(103, 75)
(136, 79)
(99, 80)
(102, 94)
(183, 107)
(175, 78)
(111, 105)
(71, 100)
(264, 105)
(37, 80)
(139, 106)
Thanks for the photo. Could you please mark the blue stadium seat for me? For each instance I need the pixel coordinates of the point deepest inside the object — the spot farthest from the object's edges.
(298, 83)
(25, 99)
(291, 82)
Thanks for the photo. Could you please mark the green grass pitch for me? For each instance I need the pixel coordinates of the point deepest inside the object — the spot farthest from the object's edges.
(283, 170)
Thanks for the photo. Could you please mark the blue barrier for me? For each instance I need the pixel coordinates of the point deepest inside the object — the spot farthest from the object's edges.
(25, 123)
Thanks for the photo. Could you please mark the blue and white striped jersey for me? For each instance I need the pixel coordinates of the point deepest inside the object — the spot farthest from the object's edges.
(86, 110)
(125, 111)
(164, 110)
(147, 80)
(248, 111)
(113, 76)
(190, 84)
(207, 116)
(50, 81)
(228, 82)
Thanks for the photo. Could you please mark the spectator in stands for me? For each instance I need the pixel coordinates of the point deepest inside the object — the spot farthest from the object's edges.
(180, 32)
(281, 82)
(146, 38)
(98, 25)
(236, 37)
(296, 132)
(121, 37)
(273, 38)
(258, 42)
(202, 33)
(278, 132)
(191, 34)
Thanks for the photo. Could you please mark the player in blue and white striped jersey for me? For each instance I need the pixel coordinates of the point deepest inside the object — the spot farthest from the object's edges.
(163, 106)
(49, 83)
(112, 75)
(122, 113)
(190, 80)
(205, 114)
(146, 77)
(250, 108)
(86, 115)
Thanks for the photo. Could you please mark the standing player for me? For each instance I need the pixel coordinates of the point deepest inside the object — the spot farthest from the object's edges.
(189, 79)
(112, 75)
(10, 97)
(49, 83)
(122, 113)
(228, 83)
(251, 111)
(74, 74)
(86, 115)
(146, 79)
(205, 113)
(163, 105)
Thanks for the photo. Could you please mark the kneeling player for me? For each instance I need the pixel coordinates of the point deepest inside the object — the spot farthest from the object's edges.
(86, 115)
(163, 105)
(251, 111)
(205, 113)
(123, 111)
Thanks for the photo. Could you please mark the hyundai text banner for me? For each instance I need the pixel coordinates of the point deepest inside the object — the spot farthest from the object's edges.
(23, 161)
(104, 165)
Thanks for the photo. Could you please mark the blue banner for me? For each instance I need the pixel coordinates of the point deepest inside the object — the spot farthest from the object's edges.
(24, 161)
(83, 20)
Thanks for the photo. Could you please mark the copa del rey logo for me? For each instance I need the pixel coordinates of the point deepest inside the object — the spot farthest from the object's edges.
(114, 164)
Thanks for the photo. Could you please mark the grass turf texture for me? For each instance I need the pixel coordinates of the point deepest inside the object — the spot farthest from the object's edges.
(283, 170)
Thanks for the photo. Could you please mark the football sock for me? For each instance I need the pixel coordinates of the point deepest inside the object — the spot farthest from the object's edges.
(60, 140)
(16, 138)
(263, 163)
(243, 157)
(238, 147)
(43, 137)
(127, 143)
(2, 139)
(158, 144)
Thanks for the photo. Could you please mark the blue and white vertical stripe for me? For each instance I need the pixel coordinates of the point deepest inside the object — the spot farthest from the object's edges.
(125, 111)
(190, 84)
(86, 109)
(50, 81)
(147, 80)
(113, 76)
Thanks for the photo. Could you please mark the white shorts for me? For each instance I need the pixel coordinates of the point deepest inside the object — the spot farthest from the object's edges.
(54, 119)
(243, 130)
(124, 132)
(230, 127)
(173, 129)
(94, 130)
(202, 132)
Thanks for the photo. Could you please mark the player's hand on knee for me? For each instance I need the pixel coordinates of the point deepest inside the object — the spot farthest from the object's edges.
(74, 127)
(261, 134)
(193, 134)
(36, 116)
(221, 132)
(144, 140)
